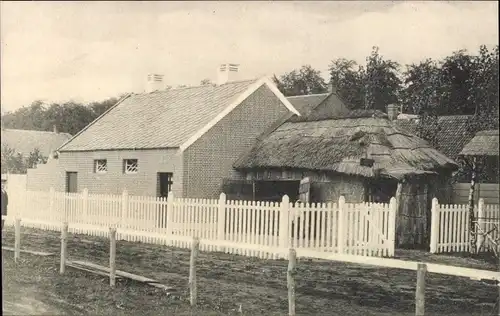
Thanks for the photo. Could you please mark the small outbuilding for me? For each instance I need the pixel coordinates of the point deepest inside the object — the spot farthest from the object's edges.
(362, 155)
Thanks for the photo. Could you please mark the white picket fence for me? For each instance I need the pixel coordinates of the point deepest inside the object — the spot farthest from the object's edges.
(450, 227)
(362, 229)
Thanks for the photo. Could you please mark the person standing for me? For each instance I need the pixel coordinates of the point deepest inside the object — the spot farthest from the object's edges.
(5, 200)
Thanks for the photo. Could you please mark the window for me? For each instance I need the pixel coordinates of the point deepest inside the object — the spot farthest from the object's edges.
(100, 166)
(130, 166)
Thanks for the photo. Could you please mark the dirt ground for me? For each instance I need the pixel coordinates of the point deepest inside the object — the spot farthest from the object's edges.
(226, 282)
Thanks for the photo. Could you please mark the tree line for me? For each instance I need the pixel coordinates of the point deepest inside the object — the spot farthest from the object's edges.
(459, 84)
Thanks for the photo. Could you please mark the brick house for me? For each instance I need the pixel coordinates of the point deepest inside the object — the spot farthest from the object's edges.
(181, 140)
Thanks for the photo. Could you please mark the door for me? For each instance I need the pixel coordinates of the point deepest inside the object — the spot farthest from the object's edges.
(70, 202)
(164, 183)
(71, 182)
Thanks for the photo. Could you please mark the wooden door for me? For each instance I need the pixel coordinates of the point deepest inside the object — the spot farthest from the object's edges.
(71, 182)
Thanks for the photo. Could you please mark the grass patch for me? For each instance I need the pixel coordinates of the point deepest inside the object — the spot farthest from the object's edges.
(227, 281)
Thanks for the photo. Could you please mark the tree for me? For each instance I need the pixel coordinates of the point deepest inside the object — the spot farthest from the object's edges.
(422, 88)
(303, 81)
(15, 162)
(205, 82)
(383, 85)
(422, 96)
(348, 82)
(35, 158)
(99, 108)
(69, 117)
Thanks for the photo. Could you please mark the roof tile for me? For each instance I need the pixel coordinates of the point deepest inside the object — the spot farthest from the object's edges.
(25, 141)
(161, 119)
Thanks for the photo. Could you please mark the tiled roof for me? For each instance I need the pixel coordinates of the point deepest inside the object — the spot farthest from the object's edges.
(25, 141)
(306, 103)
(452, 135)
(161, 119)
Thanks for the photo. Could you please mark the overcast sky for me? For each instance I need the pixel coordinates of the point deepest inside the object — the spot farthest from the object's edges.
(88, 51)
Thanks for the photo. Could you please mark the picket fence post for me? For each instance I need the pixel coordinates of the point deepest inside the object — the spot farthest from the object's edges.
(64, 247)
(284, 232)
(17, 240)
(480, 224)
(340, 226)
(123, 221)
(221, 220)
(85, 195)
(434, 225)
(51, 201)
(170, 212)
(392, 225)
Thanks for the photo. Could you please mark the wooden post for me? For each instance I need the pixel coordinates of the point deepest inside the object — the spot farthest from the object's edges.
(192, 270)
(284, 228)
(170, 213)
(123, 221)
(434, 225)
(472, 224)
(17, 242)
(221, 220)
(420, 291)
(340, 226)
(392, 225)
(64, 247)
(399, 226)
(480, 225)
(85, 196)
(112, 256)
(290, 278)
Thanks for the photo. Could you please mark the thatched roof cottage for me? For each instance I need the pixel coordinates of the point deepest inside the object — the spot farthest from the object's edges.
(485, 143)
(362, 155)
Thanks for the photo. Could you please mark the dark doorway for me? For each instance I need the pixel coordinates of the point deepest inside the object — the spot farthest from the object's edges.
(72, 182)
(164, 183)
(274, 191)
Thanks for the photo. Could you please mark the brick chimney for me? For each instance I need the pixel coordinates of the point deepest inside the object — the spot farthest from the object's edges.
(331, 88)
(392, 112)
(227, 73)
(154, 83)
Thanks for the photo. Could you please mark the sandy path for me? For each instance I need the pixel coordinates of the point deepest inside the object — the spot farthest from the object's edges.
(26, 304)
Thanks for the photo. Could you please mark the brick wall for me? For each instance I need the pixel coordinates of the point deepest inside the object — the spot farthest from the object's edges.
(211, 157)
(114, 181)
(45, 176)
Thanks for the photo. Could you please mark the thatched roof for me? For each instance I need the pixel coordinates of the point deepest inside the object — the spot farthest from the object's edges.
(338, 144)
(485, 143)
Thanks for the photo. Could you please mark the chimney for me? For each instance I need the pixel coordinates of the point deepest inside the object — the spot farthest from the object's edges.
(154, 83)
(331, 88)
(392, 112)
(227, 73)
(54, 128)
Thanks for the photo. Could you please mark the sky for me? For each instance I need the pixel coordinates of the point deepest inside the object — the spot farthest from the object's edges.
(88, 51)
